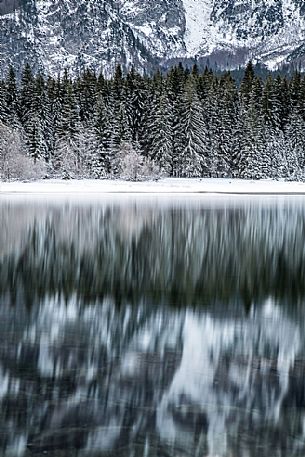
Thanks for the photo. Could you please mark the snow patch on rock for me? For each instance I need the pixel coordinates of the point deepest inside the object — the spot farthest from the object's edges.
(200, 30)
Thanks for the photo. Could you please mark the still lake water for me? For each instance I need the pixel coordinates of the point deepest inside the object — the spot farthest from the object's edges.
(152, 327)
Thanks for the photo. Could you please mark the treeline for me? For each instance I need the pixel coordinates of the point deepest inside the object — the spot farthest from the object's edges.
(183, 124)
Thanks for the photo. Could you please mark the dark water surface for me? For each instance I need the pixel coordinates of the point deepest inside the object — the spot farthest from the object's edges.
(146, 328)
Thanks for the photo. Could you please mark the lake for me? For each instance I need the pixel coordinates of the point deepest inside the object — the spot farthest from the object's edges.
(152, 327)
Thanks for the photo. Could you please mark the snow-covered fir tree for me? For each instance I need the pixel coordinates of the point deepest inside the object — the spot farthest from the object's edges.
(194, 155)
(159, 140)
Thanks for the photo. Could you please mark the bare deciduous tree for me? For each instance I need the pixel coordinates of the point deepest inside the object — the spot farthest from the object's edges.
(14, 163)
(133, 166)
(77, 158)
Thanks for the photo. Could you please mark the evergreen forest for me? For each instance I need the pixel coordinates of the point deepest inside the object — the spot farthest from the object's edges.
(186, 123)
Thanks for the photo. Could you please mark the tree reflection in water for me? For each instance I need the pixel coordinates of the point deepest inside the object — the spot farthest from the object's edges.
(148, 329)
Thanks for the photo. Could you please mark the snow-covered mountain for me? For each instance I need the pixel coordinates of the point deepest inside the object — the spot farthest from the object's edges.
(52, 34)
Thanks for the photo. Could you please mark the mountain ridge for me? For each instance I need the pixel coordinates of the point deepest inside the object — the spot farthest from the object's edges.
(57, 34)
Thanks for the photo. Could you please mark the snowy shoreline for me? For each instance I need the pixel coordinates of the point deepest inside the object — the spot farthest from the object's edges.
(181, 186)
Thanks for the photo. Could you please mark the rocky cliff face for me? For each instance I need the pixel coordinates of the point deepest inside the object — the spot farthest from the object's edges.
(53, 34)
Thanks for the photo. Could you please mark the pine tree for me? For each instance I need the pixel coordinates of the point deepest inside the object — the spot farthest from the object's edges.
(135, 101)
(175, 87)
(87, 153)
(85, 94)
(295, 153)
(205, 83)
(104, 137)
(120, 127)
(30, 102)
(159, 134)
(194, 160)
(42, 107)
(247, 83)
(252, 161)
(220, 110)
(11, 99)
(67, 119)
(4, 110)
(118, 82)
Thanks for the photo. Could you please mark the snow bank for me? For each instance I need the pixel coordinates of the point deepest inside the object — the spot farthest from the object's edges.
(163, 186)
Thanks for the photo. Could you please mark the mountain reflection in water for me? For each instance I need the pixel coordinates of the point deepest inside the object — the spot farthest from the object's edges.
(152, 329)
